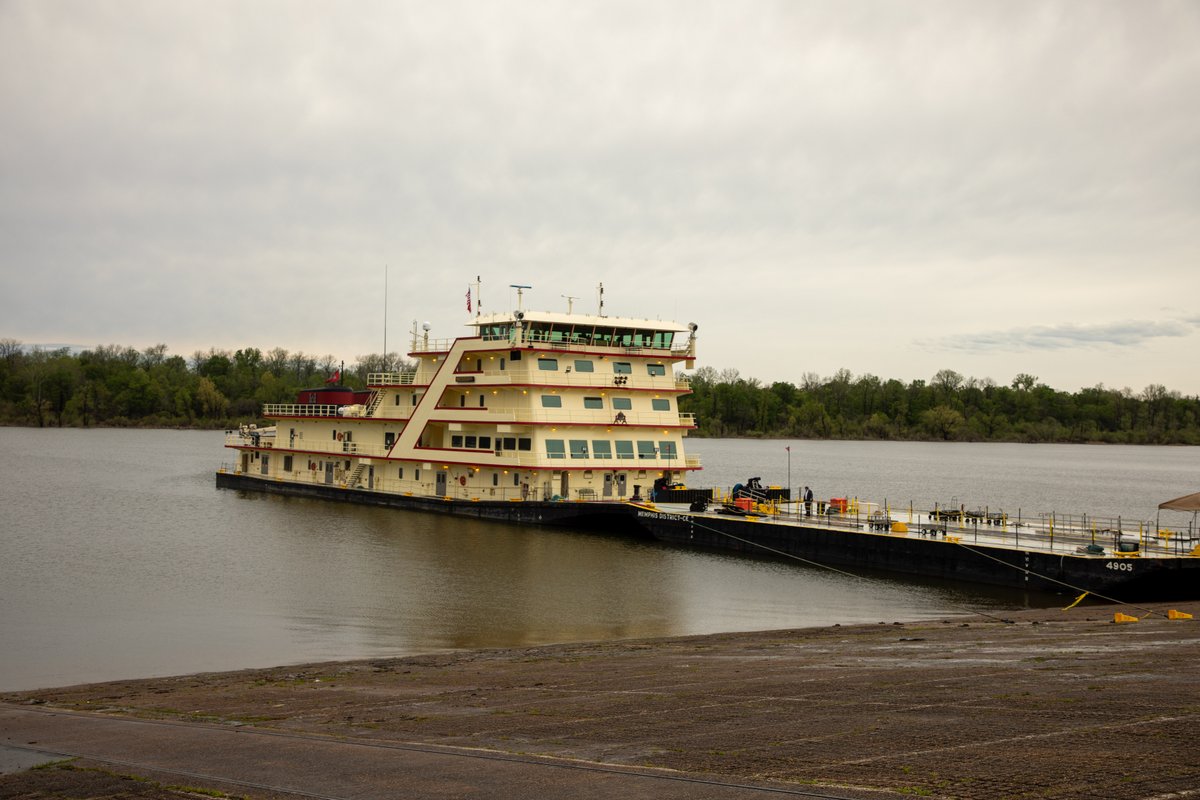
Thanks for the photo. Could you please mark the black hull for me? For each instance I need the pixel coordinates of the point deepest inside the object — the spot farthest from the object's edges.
(581, 516)
(1122, 579)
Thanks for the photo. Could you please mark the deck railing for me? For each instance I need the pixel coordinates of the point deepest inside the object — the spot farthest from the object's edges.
(404, 378)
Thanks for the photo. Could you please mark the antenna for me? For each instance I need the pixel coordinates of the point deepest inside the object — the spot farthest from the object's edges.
(478, 296)
(386, 368)
(570, 302)
(601, 290)
(519, 287)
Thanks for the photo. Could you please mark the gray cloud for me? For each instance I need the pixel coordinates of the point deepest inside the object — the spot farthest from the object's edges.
(1130, 333)
(237, 174)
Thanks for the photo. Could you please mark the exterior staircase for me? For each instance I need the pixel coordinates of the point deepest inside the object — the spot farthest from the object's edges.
(376, 400)
(356, 476)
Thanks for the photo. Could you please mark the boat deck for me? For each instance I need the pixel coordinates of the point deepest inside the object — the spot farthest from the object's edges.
(1047, 534)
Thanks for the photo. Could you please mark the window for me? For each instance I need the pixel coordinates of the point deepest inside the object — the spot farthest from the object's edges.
(525, 443)
(624, 449)
(622, 403)
(551, 401)
(287, 463)
(389, 439)
(579, 448)
(622, 368)
(661, 404)
(481, 401)
(401, 473)
(502, 363)
(667, 450)
(470, 442)
(593, 402)
(645, 449)
(397, 399)
(516, 479)
(485, 443)
(495, 479)
(417, 474)
(555, 449)
(456, 441)
(601, 448)
(335, 436)
(656, 369)
(585, 366)
(548, 363)
(510, 443)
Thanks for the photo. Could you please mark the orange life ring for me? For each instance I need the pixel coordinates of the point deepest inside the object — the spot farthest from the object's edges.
(339, 436)
(462, 480)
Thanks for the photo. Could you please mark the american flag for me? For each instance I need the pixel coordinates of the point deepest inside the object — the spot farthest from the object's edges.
(468, 299)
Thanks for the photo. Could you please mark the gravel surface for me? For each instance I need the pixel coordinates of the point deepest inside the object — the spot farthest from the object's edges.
(1048, 704)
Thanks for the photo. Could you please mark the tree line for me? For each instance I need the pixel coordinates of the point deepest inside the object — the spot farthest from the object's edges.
(122, 386)
(947, 408)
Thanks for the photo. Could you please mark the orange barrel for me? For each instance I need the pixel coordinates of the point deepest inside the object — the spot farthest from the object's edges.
(839, 504)
(744, 503)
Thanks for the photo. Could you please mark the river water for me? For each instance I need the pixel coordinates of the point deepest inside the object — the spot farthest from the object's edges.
(119, 558)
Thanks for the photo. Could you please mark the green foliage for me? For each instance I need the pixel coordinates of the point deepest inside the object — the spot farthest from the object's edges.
(118, 386)
(949, 407)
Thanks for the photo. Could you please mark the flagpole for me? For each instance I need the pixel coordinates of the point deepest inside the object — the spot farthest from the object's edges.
(789, 452)
(386, 368)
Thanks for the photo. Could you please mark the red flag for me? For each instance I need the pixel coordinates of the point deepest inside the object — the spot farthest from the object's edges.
(468, 299)
(335, 377)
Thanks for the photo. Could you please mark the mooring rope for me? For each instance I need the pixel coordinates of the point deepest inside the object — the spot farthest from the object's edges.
(833, 569)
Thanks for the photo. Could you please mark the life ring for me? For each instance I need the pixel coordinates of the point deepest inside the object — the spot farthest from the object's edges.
(462, 480)
(340, 436)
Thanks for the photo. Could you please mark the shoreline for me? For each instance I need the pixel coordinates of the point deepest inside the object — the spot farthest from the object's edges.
(1053, 703)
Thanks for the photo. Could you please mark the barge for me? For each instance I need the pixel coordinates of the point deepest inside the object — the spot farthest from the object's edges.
(573, 420)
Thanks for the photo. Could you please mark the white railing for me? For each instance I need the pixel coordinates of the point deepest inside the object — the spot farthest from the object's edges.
(547, 416)
(299, 410)
(422, 345)
(405, 378)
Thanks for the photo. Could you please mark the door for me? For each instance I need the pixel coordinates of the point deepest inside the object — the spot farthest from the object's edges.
(266, 465)
(329, 472)
(621, 484)
(370, 477)
(565, 487)
(608, 484)
(441, 484)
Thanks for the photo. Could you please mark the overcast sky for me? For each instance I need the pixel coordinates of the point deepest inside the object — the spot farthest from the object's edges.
(893, 188)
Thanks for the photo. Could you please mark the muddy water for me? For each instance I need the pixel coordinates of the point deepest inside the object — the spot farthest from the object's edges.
(119, 558)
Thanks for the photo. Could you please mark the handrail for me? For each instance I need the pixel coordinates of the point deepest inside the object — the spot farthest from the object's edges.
(404, 378)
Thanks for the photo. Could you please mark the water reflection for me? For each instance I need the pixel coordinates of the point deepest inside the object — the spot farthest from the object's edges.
(121, 559)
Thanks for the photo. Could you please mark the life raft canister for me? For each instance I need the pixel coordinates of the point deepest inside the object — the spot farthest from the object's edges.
(462, 480)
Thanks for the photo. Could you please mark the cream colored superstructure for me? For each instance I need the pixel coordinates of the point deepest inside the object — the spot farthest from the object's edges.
(534, 405)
